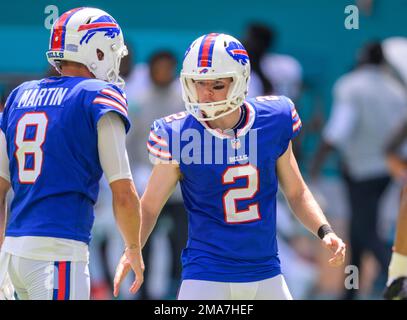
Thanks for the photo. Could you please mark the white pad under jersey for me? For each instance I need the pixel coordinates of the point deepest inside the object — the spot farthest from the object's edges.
(112, 148)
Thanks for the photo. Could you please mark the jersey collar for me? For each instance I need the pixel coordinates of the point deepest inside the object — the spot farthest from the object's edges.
(228, 134)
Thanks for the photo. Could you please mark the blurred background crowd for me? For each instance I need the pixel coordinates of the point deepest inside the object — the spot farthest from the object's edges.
(349, 87)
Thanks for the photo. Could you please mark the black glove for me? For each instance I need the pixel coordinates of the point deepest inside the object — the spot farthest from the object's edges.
(397, 290)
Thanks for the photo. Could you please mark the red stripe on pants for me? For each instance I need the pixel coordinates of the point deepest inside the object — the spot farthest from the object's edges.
(61, 280)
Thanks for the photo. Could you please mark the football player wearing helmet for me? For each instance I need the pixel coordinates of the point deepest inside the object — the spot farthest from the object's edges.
(228, 153)
(58, 136)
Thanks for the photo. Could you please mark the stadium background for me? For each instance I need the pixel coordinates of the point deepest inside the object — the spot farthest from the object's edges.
(311, 31)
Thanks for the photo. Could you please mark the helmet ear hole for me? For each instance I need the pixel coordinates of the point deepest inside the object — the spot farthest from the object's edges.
(100, 54)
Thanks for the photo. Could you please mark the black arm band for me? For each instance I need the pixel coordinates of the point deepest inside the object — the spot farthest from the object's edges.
(324, 230)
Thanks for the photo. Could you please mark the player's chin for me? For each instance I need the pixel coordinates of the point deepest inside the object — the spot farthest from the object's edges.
(218, 113)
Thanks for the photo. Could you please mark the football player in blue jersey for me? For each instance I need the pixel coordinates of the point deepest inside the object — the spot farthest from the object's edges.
(58, 136)
(228, 154)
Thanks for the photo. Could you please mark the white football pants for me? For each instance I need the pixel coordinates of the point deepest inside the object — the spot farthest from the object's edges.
(49, 280)
(269, 289)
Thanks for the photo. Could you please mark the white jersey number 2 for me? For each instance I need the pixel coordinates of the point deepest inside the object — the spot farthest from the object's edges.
(30, 147)
(230, 197)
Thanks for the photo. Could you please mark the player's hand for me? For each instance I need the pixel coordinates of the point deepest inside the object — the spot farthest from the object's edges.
(131, 259)
(337, 246)
(397, 290)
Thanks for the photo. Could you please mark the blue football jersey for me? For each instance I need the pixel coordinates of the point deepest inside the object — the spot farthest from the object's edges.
(229, 185)
(52, 145)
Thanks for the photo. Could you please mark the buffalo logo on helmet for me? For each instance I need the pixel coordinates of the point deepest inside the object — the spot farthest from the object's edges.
(237, 52)
(104, 24)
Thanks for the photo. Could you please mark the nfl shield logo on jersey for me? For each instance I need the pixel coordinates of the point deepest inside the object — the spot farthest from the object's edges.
(235, 143)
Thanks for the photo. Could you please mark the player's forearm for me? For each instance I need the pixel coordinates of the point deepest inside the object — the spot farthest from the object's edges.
(307, 210)
(128, 218)
(148, 221)
(161, 184)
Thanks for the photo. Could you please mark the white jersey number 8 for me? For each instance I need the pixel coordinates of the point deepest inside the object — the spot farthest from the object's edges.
(30, 146)
(232, 215)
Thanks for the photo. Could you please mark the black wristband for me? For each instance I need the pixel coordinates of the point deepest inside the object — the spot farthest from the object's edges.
(324, 230)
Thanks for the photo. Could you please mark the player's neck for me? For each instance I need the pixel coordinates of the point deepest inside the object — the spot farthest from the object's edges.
(226, 122)
(73, 71)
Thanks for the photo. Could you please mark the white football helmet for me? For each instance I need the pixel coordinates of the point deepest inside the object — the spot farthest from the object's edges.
(79, 33)
(215, 56)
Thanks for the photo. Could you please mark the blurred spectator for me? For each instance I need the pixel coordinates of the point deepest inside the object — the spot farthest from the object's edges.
(138, 81)
(272, 73)
(368, 105)
(161, 96)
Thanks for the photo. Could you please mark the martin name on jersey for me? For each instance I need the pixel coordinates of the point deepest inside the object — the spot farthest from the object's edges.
(42, 97)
